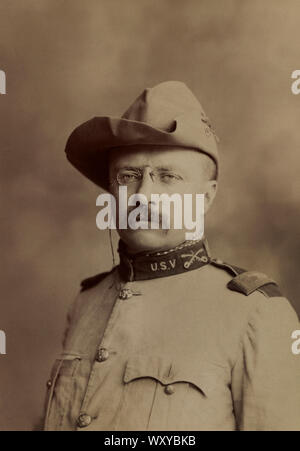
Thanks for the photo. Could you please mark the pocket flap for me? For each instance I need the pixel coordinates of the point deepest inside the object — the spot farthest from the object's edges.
(67, 363)
(203, 377)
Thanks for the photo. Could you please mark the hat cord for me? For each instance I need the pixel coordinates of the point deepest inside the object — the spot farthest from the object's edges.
(112, 247)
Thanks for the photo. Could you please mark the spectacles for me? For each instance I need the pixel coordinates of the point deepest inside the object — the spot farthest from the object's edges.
(132, 176)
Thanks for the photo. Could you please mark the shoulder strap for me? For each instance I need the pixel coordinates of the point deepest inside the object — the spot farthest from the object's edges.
(247, 282)
(91, 282)
(250, 281)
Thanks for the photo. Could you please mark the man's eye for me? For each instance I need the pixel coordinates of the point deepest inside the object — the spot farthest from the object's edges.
(169, 178)
(127, 177)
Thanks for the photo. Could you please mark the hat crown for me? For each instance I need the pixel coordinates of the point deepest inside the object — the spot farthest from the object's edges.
(161, 105)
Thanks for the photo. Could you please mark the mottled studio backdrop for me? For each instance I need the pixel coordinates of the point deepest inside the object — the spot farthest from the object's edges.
(68, 60)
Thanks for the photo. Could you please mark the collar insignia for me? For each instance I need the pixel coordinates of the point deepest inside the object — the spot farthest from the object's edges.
(188, 256)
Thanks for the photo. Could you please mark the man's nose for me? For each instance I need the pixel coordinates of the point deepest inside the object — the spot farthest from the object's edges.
(147, 185)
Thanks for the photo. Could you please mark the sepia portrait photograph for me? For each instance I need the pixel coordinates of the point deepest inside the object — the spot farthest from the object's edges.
(150, 192)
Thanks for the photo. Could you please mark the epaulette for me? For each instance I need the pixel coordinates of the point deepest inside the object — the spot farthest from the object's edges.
(247, 282)
(91, 282)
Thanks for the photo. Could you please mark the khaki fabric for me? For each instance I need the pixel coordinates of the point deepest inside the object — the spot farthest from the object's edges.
(183, 353)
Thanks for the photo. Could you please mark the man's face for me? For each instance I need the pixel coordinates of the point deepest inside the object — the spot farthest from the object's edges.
(158, 170)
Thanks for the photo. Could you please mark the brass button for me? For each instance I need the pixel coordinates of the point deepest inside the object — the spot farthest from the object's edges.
(125, 293)
(84, 420)
(169, 389)
(49, 383)
(102, 355)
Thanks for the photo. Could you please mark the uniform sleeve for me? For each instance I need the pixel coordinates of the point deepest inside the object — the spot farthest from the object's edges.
(266, 376)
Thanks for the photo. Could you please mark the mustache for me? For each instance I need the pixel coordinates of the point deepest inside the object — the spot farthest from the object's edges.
(148, 210)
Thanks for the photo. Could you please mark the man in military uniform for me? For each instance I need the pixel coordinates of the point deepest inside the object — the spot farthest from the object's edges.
(171, 338)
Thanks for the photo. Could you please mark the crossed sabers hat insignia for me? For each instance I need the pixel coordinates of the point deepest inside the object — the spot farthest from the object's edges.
(207, 121)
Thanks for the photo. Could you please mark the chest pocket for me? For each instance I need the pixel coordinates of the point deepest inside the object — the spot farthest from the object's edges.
(167, 395)
(61, 390)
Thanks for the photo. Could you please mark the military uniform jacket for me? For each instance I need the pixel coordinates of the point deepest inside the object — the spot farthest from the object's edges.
(203, 348)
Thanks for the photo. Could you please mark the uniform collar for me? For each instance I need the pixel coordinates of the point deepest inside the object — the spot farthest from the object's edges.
(185, 257)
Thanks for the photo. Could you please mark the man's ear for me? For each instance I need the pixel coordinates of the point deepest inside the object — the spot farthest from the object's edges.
(211, 187)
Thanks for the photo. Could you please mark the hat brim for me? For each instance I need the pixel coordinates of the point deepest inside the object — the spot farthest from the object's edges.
(88, 146)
